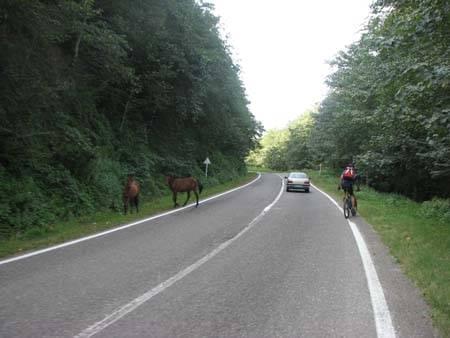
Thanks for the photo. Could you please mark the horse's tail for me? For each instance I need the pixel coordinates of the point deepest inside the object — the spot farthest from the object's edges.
(200, 186)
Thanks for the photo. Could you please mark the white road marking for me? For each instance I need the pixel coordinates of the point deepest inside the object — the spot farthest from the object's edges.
(135, 303)
(59, 246)
(383, 321)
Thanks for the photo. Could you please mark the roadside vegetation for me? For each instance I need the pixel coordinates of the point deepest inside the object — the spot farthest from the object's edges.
(387, 108)
(56, 233)
(92, 91)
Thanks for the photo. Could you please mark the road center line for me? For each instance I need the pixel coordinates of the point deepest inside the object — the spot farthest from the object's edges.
(135, 303)
(383, 321)
(59, 246)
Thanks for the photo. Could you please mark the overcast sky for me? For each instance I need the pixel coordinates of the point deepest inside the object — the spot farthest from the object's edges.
(283, 48)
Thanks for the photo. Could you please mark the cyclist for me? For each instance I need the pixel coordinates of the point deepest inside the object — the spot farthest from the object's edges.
(348, 177)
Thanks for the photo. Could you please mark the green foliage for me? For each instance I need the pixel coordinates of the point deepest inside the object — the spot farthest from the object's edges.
(289, 148)
(92, 91)
(23, 204)
(105, 182)
(388, 107)
(299, 153)
(225, 168)
(271, 153)
(437, 208)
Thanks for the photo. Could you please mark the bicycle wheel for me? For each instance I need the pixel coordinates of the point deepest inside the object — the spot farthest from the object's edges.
(353, 208)
(346, 208)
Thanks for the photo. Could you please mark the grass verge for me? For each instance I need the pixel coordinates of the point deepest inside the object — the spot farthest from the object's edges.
(259, 169)
(418, 240)
(38, 238)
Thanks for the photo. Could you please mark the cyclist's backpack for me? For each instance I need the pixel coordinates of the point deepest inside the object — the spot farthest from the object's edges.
(349, 173)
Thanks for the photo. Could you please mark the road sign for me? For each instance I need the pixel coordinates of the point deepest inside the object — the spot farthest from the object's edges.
(206, 162)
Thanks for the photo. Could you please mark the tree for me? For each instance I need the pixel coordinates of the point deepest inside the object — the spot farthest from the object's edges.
(387, 101)
(94, 90)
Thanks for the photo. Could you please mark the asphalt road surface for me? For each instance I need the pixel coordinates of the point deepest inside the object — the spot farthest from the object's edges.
(256, 262)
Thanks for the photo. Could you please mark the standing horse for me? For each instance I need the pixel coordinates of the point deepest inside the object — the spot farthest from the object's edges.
(184, 184)
(131, 195)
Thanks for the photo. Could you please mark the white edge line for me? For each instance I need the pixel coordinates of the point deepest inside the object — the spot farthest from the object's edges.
(383, 321)
(59, 246)
(135, 303)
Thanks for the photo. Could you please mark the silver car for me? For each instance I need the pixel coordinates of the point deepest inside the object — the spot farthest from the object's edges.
(297, 181)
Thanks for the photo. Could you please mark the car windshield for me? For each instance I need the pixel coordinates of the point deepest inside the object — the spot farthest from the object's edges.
(298, 175)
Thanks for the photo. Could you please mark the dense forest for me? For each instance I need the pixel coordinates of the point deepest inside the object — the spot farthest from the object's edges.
(388, 107)
(91, 91)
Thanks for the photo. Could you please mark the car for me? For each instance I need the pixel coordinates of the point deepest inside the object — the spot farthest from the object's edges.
(297, 181)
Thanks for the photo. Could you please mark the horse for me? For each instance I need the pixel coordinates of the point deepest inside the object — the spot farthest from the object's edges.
(131, 195)
(184, 184)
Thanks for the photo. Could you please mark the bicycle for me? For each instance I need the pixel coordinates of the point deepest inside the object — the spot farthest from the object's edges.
(348, 205)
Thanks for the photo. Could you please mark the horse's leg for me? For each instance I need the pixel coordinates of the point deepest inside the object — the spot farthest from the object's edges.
(196, 197)
(136, 203)
(174, 198)
(125, 206)
(187, 199)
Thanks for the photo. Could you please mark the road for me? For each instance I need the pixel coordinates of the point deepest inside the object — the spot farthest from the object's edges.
(256, 262)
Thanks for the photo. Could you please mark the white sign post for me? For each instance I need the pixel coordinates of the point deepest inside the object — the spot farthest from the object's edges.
(206, 162)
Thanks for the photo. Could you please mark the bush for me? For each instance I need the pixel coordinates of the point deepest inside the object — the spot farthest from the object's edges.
(22, 204)
(68, 196)
(225, 168)
(437, 208)
(105, 183)
(49, 192)
(154, 187)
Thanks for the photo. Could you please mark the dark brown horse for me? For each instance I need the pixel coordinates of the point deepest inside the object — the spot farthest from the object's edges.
(131, 195)
(184, 184)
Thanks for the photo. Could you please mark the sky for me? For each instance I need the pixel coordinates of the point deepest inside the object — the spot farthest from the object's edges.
(282, 48)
